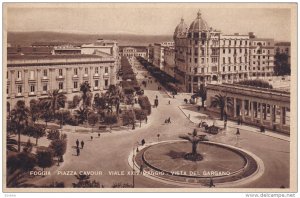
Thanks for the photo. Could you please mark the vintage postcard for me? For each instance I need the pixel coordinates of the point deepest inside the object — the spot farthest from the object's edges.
(155, 97)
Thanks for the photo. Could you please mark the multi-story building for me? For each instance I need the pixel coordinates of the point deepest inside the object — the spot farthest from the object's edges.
(150, 52)
(158, 54)
(134, 51)
(261, 56)
(66, 50)
(203, 54)
(31, 77)
(169, 63)
(284, 47)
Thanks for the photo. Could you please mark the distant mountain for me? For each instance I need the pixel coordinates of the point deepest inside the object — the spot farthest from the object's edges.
(27, 38)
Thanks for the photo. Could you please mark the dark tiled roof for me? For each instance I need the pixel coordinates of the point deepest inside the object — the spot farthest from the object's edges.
(29, 50)
(283, 44)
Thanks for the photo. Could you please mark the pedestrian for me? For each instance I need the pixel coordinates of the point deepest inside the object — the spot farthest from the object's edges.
(211, 183)
(156, 96)
(146, 119)
(173, 96)
(77, 143)
(225, 124)
(91, 138)
(141, 169)
(238, 131)
(78, 151)
(189, 116)
(169, 120)
(143, 142)
(169, 102)
(82, 144)
(98, 135)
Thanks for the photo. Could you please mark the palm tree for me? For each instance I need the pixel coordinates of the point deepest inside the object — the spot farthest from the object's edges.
(202, 93)
(194, 138)
(34, 110)
(81, 114)
(85, 88)
(54, 101)
(220, 101)
(19, 117)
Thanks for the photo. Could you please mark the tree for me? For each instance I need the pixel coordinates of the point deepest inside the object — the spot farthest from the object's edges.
(11, 143)
(282, 67)
(220, 101)
(85, 88)
(193, 138)
(202, 93)
(85, 182)
(53, 134)
(110, 119)
(46, 115)
(34, 110)
(44, 157)
(81, 114)
(36, 131)
(92, 119)
(54, 101)
(140, 115)
(59, 148)
(23, 161)
(19, 117)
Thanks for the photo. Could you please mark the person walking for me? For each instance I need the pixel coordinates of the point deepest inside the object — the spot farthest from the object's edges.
(146, 119)
(211, 183)
(169, 120)
(169, 102)
(78, 151)
(141, 169)
(98, 135)
(91, 138)
(238, 131)
(77, 143)
(82, 144)
(225, 124)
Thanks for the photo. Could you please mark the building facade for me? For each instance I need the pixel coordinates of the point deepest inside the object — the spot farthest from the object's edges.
(261, 57)
(31, 77)
(131, 52)
(158, 54)
(169, 63)
(258, 106)
(203, 54)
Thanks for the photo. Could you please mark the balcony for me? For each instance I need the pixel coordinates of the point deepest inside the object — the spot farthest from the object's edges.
(60, 78)
(75, 77)
(32, 80)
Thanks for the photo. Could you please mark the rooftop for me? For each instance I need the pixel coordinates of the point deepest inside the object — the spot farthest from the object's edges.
(41, 57)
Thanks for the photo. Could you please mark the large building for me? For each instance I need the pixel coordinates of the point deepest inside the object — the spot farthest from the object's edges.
(31, 76)
(133, 51)
(169, 63)
(203, 54)
(158, 53)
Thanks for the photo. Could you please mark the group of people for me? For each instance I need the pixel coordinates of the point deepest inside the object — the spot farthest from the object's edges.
(82, 144)
(168, 120)
(77, 146)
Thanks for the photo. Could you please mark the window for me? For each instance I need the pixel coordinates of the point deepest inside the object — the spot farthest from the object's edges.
(246, 42)
(7, 90)
(223, 60)
(106, 83)
(96, 70)
(241, 50)
(268, 51)
(106, 70)
(19, 89)
(229, 68)
(31, 75)
(240, 68)
(7, 75)
(75, 85)
(32, 88)
(45, 72)
(241, 42)
(245, 59)
(223, 69)
(234, 68)
(86, 71)
(196, 60)
(229, 51)
(19, 75)
(60, 72)
(61, 85)
(234, 59)
(229, 42)
(229, 60)
(240, 59)
(223, 51)
(75, 71)
(45, 88)
(96, 83)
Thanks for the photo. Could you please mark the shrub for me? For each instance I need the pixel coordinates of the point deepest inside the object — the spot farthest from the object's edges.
(110, 119)
(145, 104)
(256, 83)
(53, 134)
(44, 157)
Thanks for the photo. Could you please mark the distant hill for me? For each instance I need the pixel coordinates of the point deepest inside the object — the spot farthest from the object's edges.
(27, 38)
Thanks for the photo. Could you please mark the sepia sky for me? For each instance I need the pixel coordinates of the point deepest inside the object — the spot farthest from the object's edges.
(149, 19)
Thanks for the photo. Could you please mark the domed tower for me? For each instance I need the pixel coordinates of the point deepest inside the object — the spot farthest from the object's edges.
(181, 30)
(202, 54)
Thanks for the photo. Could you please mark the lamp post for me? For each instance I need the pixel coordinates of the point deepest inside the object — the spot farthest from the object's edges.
(133, 171)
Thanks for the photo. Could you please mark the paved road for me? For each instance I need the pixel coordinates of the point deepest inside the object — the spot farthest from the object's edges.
(110, 152)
